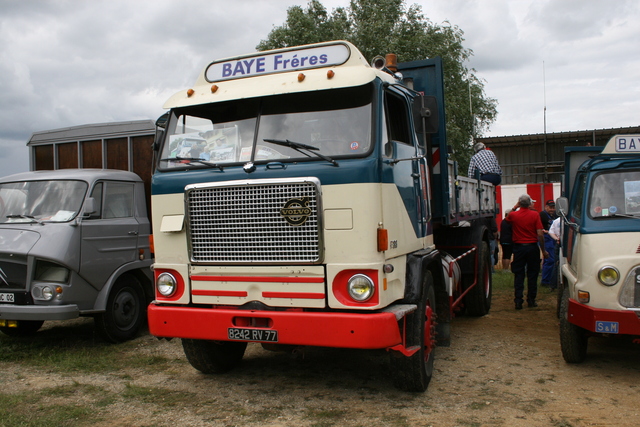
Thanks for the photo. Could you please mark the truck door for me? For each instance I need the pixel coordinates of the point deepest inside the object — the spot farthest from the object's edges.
(400, 149)
(110, 235)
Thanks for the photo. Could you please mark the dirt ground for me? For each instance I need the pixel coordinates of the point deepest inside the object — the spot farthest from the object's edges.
(504, 369)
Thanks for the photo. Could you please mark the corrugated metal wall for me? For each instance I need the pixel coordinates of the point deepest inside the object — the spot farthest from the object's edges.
(539, 158)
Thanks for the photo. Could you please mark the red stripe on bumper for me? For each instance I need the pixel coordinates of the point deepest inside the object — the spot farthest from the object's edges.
(207, 293)
(344, 330)
(260, 279)
(586, 317)
(299, 295)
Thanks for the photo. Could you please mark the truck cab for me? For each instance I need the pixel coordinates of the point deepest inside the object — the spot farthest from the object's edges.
(74, 242)
(322, 211)
(600, 263)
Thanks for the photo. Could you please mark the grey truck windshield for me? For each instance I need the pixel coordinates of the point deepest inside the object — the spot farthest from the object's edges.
(50, 201)
(292, 127)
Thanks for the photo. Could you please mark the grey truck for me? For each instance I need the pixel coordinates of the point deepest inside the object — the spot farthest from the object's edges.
(74, 242)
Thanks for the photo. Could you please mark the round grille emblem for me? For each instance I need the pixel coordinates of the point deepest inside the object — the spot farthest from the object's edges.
(296, 211)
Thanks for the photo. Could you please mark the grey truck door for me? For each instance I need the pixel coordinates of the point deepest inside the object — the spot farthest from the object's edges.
(110, 235)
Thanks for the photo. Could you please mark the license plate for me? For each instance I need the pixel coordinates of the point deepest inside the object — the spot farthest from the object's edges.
(242, 334)
(7, 297)
(607, 327)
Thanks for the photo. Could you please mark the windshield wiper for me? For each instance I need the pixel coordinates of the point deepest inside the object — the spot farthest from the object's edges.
(622, 216)
(192, 160)
(298, 146)
(21, 216)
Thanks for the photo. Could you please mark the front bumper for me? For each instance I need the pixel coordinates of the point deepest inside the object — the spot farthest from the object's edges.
(600, 320)
(38, 312)
(336, 329)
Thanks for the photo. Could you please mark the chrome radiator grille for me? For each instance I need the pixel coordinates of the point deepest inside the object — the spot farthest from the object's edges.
(255, 222)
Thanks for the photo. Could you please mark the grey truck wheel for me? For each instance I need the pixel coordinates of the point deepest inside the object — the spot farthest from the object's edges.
(213, 357)
(413, 373)
(478, 301)
(573, 339)
(125, 311)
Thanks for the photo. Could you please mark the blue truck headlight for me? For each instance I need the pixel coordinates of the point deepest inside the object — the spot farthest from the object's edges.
(166, 284)
(360, 287)
(608, 275)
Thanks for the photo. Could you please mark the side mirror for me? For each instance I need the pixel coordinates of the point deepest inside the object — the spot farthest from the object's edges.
(89, 207)
(562, 205)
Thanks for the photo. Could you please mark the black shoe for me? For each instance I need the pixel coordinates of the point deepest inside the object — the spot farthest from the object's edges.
(532, 304)
(518, 306)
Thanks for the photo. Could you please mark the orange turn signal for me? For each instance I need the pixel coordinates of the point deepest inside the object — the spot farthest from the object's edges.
(383, 239)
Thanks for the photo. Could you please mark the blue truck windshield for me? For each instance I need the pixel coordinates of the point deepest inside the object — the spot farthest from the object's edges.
(615, 194)
(50, 201)
(333, 123)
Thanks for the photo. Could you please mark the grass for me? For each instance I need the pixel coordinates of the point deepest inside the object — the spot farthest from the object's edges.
(71, 349)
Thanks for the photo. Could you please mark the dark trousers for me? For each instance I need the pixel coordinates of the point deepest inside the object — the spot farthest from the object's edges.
(526, 263)
(493, 178)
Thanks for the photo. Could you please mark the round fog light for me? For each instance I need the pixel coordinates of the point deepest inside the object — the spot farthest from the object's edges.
(608, 275)
(360, 287)
(166, 284)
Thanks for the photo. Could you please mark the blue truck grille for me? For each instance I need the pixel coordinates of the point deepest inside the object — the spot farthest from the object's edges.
(261, 221)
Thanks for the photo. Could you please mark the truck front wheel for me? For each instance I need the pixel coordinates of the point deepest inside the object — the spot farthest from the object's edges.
(573, 339)
(213, 357)
(413, 373)
(125, 312)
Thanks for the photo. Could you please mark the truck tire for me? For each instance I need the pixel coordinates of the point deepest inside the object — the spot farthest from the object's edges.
(213, 357)
(126, 310)
(559, 293)
(573, 339)
(413, 373)
(26, 328)
(478, 301)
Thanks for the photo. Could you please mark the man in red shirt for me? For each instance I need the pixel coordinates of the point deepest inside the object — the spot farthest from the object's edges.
(528, 240)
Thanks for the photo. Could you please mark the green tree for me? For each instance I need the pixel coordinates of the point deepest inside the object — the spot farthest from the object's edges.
(378, 27)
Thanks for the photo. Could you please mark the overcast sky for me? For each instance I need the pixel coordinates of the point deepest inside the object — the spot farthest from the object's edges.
(69, 63)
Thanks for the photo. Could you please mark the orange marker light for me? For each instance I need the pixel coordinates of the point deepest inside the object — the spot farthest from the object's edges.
(383, 239)
(214, 88)
(190, 92)
(330, 74)
(301, 77)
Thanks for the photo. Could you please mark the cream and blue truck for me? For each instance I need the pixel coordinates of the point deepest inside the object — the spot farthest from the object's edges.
(599, 292)
(303, 197)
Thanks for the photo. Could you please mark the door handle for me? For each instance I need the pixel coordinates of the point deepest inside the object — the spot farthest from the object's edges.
(133, 233)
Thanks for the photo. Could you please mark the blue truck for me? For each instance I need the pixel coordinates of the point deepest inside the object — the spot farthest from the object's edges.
(320, 207)
(599, 286)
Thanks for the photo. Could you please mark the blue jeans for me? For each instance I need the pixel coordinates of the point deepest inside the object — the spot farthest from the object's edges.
(549, 263)
(526, 264)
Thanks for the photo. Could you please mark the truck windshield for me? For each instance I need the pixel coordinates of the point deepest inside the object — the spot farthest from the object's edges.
(334, 123)
(31, 201)
(615, 194)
